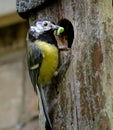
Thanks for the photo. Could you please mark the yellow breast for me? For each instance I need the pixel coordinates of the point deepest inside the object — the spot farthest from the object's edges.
(49, 62)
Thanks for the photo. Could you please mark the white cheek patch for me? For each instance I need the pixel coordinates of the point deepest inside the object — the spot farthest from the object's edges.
(35, 29)
(39, 27)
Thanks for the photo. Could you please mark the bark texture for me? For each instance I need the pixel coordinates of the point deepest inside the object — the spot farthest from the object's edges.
(82, 98)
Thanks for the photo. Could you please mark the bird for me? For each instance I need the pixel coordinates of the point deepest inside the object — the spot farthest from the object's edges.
(42, 57)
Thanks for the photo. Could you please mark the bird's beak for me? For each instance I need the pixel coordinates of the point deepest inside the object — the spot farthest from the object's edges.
(58, 29)
(55, 27)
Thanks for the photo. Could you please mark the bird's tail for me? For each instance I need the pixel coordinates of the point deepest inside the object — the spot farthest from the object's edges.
(48, 122)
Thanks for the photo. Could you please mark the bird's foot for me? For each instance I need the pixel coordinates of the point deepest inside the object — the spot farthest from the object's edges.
(63, 48)
(64, 65)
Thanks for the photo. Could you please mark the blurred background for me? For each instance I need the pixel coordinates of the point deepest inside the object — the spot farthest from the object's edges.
(18, 103)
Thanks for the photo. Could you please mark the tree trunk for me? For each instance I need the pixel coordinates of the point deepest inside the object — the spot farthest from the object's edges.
(82, 97)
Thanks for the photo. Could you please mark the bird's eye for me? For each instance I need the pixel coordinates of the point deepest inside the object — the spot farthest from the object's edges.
(45, 23)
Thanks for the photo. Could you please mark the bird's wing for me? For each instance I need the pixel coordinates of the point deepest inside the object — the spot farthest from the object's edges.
(34, 57)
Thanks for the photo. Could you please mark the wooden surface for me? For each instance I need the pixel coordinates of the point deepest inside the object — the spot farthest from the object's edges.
(81, 98)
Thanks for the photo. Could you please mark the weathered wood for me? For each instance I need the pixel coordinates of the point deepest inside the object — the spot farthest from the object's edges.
(82, 98)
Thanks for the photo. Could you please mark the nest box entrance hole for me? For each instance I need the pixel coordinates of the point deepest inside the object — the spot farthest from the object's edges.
(66, 38)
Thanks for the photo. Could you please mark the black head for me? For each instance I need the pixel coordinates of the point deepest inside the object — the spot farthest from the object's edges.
(41, 28)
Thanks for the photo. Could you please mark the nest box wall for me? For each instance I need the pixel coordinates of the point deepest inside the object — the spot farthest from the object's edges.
(54, 10)
(84, 97)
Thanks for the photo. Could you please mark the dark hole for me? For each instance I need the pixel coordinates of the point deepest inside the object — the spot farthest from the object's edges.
(67, 36)
(93, 119)
(57, 92)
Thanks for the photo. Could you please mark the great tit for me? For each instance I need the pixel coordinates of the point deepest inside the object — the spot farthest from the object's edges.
(42, 57)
